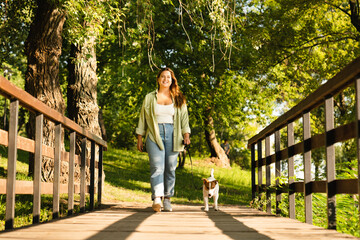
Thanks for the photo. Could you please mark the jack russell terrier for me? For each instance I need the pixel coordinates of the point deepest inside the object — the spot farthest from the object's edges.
(210, 189)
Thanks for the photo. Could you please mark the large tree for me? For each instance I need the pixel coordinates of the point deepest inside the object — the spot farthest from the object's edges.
(82, 79)
(85, 28)
(43, 49)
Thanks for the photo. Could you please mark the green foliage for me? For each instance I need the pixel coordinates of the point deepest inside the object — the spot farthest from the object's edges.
(90, 19)
(15, 20)
(165, 35)
(271, 50)
(236, 61)
(294, 46)
(347, 214)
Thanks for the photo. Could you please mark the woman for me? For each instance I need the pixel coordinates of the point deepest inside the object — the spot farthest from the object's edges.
(164, 122)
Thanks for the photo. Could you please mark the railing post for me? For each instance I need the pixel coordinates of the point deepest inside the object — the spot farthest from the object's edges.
(92, 176)
(260, 172)
(100, 179)
(11, 171)
(83, 175)
(37, 167)
(57, 164)
(307, 167)
(10, 139)
(277, 171)
(253, 168)
(71, 173)
(330, 161)
(357, 90)
(4, 117)
(291, 141)
(268, 174)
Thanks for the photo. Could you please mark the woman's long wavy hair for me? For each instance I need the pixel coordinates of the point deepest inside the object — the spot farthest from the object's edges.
(178, 96)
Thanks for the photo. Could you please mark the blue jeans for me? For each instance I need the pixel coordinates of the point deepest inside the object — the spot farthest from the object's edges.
(162, 163)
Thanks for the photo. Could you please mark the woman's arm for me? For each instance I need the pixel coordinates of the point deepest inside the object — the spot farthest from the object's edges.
(140, 143)
(141, 128)
(185, 128)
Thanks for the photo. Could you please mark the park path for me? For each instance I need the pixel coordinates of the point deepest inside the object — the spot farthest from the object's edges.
(134, 221)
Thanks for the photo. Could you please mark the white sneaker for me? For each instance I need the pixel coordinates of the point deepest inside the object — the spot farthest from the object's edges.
(157, 205)
(167, 205)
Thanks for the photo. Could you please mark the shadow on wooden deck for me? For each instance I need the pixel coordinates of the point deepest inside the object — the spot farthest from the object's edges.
(233, 228)
(134, 221)
(185, 222)
(126, 226)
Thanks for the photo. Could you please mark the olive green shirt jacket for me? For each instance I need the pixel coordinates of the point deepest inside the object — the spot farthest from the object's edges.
(149, 127)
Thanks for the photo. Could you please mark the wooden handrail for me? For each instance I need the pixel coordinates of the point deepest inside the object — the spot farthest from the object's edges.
(13, 141)
(350, 75)
(335, 84)
(35, 105)
(26, 187)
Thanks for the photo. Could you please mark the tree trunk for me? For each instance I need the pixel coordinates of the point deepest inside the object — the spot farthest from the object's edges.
(216, 150)
(82, 87)
(355, 14)
(82, 93)
(102, 125)
(43, 48)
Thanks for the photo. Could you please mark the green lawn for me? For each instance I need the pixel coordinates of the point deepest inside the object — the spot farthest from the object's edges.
(127, 179)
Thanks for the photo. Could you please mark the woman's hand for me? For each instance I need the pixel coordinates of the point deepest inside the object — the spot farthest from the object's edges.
(140, 143)
(187, 138)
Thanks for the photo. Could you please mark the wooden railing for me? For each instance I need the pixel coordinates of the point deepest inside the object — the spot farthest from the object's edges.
(349, 76)
(13, 142)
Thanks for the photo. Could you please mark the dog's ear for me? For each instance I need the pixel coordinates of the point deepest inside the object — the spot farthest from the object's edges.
(205, 180)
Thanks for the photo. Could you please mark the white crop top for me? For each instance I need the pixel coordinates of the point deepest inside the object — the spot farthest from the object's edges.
(164, 113)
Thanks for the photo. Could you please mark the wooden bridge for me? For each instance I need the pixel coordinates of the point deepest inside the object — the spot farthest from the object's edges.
(133, 221)
(126, 221)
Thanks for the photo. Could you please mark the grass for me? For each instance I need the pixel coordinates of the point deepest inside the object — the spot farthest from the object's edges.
(22, 165)
(128, 174)
(127, 179)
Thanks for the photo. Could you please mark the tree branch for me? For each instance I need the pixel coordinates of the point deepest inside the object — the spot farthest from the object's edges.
(317, 38)
(308, 47)
(343, 10)
(355, 14)
(182, 23)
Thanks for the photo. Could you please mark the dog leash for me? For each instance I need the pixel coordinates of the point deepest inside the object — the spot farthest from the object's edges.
(187, 148)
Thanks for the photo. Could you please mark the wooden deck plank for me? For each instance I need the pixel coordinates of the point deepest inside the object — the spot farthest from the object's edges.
(124, 221)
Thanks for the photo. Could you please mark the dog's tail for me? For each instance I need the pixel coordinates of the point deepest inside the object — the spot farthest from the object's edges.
(212, 173)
